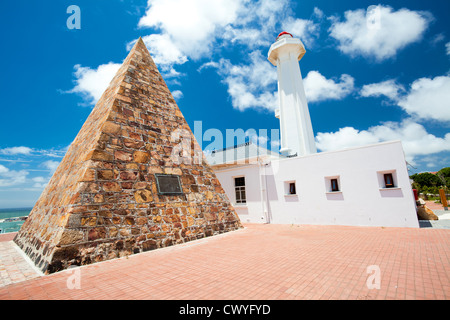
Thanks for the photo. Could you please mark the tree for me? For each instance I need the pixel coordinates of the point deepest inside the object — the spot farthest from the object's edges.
(426, 179)
(444, 176)
(445, 172)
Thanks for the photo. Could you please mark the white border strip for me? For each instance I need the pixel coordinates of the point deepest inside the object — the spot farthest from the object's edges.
(27, 259)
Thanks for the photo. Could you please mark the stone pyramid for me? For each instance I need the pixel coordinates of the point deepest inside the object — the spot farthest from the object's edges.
(134, 179)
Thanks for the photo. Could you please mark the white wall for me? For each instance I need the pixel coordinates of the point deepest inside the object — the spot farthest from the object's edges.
(253, 210)
(361, 201)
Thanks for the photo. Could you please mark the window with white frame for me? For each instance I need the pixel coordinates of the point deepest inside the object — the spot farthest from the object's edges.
(333, 184)
(387, 179)
(239, 189)
(290, 188)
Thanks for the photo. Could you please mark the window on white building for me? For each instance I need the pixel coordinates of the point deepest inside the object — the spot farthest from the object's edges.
(292, 188)
(239, 189)
(387, 179)
(333, 184)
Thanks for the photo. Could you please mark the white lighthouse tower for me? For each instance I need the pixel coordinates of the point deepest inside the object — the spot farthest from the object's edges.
(297, 137)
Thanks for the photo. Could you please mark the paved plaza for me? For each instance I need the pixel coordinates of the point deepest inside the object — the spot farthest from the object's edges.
(259, 262)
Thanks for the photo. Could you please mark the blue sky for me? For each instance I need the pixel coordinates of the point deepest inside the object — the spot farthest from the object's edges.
(373, 72)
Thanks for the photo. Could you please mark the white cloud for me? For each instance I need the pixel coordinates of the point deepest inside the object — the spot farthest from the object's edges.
(344, 138)
(436, 161)
(250, 86)
(190, 25)
(317, 13)
(428, 99)
(191, 29)
(380, 32)
(177, 94)
(16, 151)
(91, 83)
(172, 73)
(257, 23)
(51, 165)
(244, 97)
(415, 139)
(40, 182)
(251, 36)
(307, 30)
(3, 169)
(253, 136)
(39, 179)
(425, 99)
(437, 38)
(447, 48)
(389, 88)
(254, 85)
(275, 144)
(318, 88)
(267, 12)
(163, 51)
(11, 177)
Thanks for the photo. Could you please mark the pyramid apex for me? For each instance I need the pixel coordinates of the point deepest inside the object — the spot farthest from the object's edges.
(140, 40)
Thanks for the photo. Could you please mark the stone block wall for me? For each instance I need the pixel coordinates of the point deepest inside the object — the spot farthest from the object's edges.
(103, 201)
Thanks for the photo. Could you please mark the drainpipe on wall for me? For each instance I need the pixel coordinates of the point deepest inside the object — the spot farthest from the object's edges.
(267, 193)
(264, 193)
(261, 183)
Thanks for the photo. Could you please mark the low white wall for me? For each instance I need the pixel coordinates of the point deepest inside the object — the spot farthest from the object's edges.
(362, 200)
(253, 210)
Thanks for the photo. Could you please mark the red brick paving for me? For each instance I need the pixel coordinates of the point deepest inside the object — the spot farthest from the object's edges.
(267, 262)
(434, 206)
(7, 236)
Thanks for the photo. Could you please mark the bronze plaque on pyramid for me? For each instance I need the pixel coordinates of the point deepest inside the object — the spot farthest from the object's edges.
(168, 184)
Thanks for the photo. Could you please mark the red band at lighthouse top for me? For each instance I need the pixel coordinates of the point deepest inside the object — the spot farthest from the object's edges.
(283, 33)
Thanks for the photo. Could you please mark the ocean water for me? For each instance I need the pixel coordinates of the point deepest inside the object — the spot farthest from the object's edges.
(12, 213)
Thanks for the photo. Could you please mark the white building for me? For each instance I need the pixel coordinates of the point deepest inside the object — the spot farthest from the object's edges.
(362, 186)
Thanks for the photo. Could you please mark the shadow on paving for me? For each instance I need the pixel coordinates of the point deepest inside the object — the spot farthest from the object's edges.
(435, 224)
(442, 223)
